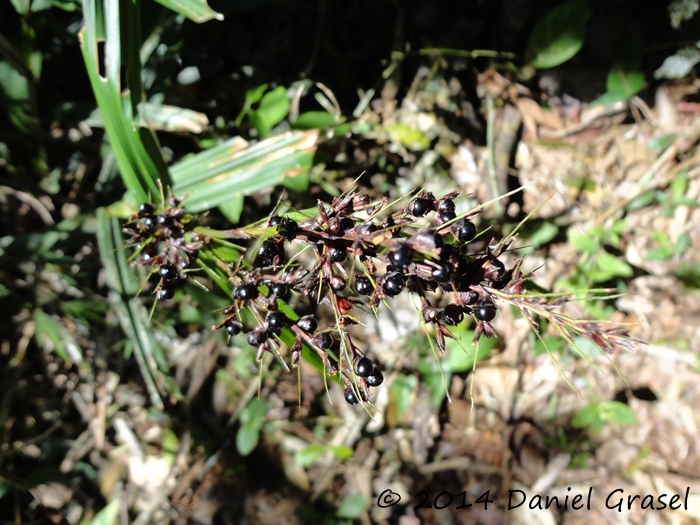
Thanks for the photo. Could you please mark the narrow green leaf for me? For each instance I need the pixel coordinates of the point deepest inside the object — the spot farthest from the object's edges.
(559, 35)
(314, 119)
(196, 10)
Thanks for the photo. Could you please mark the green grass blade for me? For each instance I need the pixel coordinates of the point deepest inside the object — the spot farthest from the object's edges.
(196, 10)
(135, 158)
(213, 177)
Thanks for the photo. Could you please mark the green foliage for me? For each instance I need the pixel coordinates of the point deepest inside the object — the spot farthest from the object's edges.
(196, 10)
(107, 516)
(252, 419)
(312, 453)
(621, 86)
(559, 35)
(595, 415)
(352, 506)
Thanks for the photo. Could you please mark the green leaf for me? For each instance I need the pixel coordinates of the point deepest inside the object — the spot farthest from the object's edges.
(247, 438)
(683, 243)
(255, 412)
(621, 86)
(233, 208)
(253, 95)
(213, 177)
(583, 243)
(196, 10)
(341, 451)
(314, 119)
(309, 455)
(352, 506)
(274, 106)
(661, 142)
(659, 254)
(408, 137)
(136, 149)
(614, 266)
(401, 390)
(559, 35)
(616, 412)
(545, 233)
(108, 515)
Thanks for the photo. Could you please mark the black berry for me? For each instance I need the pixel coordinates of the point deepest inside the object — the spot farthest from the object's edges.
(466, 231)
(308, 324)
(146, 209)
(257, 337)
(350, 396)
(164, 220)
(233, 328)
(274, 220)
(346, 223)
(276, 320)
(150, 221)
(393, 284)
(338, 283)
(442, 273)
(323, 341)
(168, 272)
(166, 292)
(485, 311)
(447, 215)
(288, 229)
(338, 253)
(362, 285)
(419, 207)
(246, 292)
(447, 205)
(375, 379)
(267, 251)
(279, 289)
(453, 314)
(401, 257)
(364, 367)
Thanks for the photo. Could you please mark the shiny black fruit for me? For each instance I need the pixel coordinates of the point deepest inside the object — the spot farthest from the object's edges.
(308, 324)
(419, 207)
(350, 396)
(279, 289)
(485, 311)
(246, 292)
(375, 379)
(257, 337)
(362, 285)
(168, 272)
(288, 229)
(267, 251)
(323, 341)
(466, 231)
(393, 284)
(442, 273)
(364, 367)
(166, 292)
(274, 220)
(338, 253)
(233, 328)
(276, 320)
(401, 257)
(146, 209)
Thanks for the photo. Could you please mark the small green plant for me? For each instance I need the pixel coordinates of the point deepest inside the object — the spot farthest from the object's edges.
(595, 415)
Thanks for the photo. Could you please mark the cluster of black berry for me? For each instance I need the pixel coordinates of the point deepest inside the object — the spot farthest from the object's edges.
(352, 239)
(161, 241)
